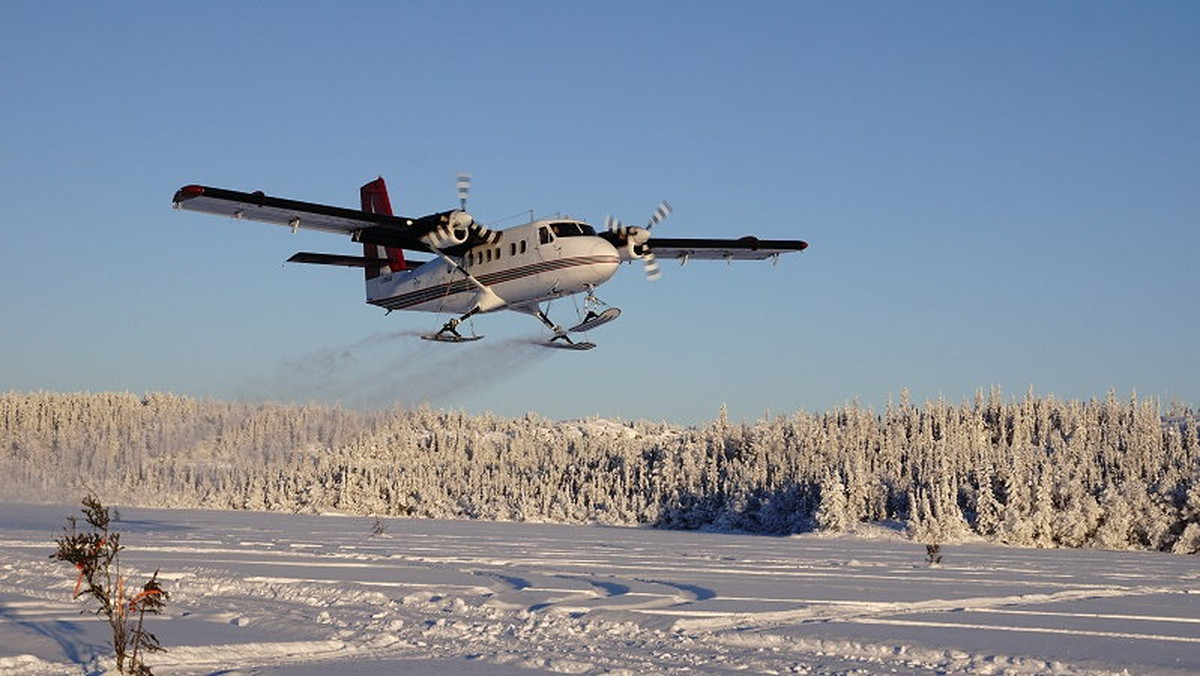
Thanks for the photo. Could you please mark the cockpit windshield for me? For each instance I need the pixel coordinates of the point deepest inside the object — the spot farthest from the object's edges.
(571, 229)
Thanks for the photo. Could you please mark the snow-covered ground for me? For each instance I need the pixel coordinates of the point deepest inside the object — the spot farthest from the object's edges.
(272, 594)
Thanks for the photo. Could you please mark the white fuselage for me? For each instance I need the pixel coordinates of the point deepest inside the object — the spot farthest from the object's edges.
(529, 264)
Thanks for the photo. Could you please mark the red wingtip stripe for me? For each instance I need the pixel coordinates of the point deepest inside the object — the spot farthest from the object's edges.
(187, 192)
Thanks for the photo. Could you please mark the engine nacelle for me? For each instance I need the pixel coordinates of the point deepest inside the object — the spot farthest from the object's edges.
(455, 230)
(630, 252)
(460, 220)
(635, 243)
(445, 236)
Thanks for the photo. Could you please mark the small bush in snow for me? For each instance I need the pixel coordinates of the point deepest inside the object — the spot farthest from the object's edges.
(96, 555)
(933, 554)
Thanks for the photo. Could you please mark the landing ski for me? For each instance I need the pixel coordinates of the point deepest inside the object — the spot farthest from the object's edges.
(598, 320)
(570, 346)
(450, 338)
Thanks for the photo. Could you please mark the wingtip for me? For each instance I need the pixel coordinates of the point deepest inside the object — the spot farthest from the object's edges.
(187, 192)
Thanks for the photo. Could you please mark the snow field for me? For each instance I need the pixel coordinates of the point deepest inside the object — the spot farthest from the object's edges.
(274, 593)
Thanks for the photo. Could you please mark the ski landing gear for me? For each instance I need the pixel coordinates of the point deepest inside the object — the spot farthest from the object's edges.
(449, 331)
(561, 334)
(590, 321)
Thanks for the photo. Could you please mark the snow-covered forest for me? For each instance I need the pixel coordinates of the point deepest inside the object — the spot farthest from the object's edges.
(1115, 473)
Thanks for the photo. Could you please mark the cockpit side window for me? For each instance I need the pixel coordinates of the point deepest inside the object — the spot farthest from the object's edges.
(544, 235)
(569, 229)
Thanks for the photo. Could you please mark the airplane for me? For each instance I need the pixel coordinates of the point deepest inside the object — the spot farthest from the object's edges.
(476, 269)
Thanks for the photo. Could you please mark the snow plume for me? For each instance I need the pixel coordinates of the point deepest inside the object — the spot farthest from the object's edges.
(395, 367)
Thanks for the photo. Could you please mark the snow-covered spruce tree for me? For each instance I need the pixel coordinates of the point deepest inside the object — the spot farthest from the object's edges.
(832, 513)
(1188, 541)
(931, 521)
(1116, 528)
(987, 516)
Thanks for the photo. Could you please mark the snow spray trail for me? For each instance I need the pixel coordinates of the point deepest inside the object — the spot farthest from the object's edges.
(321, 375)
(437, 371)
(394, 367)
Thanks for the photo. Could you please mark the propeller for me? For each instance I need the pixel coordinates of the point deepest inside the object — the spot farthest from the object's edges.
(634, 238)
(463, 183)
(660, 214)
(465, 220)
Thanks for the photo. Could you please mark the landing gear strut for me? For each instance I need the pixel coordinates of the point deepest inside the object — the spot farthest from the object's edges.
(559, 332)
(452, 325)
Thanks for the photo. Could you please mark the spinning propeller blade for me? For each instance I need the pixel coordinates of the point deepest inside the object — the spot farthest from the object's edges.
(653, 273)
(463, 183)
(635, 238)
(615, 226)
(660, 214)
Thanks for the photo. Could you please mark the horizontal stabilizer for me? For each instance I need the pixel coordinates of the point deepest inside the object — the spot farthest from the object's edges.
(346, 261)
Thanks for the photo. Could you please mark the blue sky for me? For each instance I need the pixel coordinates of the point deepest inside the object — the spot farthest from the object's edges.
(995, 194)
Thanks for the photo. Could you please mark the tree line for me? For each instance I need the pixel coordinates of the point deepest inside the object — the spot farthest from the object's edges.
(1031, 471)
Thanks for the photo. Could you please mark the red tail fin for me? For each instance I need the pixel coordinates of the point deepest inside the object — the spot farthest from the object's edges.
(375, 201)
(375, 197)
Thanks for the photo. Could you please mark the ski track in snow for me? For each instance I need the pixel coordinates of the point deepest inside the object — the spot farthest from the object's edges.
(270, 593)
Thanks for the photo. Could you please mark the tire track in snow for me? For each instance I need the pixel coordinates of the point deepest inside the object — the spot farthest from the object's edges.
(847, 611)
(1023, 629)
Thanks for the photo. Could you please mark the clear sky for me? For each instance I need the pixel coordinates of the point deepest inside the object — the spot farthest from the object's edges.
(995, 194)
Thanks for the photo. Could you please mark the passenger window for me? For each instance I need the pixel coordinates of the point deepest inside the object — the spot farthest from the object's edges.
(489, 255)
(522, 246)
(512, 249)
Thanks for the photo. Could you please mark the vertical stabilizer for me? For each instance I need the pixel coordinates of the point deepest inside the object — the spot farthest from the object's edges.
(375, 200)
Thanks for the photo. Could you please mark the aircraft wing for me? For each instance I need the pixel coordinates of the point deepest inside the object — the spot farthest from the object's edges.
(361, 226)
(345, 261)
(747, 248)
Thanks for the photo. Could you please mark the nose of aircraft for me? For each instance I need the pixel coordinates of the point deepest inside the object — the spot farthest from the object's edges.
(607, 257)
